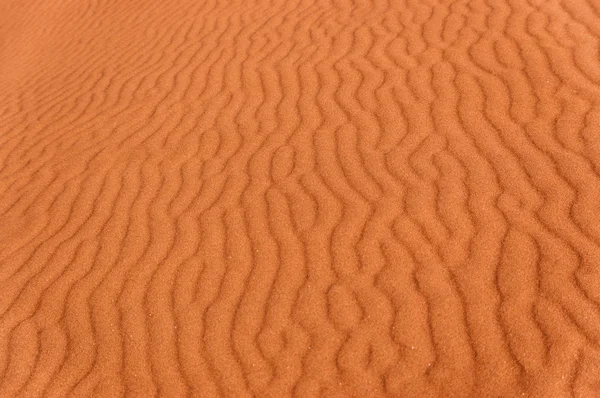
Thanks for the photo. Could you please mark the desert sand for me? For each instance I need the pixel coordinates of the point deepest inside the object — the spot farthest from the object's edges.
(300, 198)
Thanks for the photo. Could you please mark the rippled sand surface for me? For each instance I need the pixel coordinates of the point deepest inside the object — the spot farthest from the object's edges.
(307, 198)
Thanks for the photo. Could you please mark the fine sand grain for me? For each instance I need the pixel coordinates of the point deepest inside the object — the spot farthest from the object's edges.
(308, 198)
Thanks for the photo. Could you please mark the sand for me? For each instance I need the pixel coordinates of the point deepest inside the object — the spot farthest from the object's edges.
(308, 198)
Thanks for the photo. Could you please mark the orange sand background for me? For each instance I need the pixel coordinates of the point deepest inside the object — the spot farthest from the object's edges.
(301, 198)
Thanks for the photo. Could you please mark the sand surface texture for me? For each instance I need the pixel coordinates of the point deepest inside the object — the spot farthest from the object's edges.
(308, 198)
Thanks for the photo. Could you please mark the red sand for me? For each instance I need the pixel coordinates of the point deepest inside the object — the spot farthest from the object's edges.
(300, 198)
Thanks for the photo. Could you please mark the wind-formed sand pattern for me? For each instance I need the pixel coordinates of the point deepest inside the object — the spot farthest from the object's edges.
(307, 198)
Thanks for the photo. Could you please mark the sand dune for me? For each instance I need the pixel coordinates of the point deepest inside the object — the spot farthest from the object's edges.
(337, 198)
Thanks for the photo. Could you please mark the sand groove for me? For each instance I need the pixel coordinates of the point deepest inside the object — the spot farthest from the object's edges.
(300, 198)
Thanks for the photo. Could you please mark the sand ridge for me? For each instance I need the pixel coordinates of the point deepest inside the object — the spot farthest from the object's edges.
(300, 198)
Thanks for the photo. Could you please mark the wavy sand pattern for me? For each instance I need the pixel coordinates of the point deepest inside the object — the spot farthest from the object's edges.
(338, 198)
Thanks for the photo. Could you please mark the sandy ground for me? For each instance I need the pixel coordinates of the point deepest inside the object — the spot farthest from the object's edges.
(308, 198)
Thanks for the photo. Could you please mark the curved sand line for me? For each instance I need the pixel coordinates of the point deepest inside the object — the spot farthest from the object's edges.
(300, 198)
